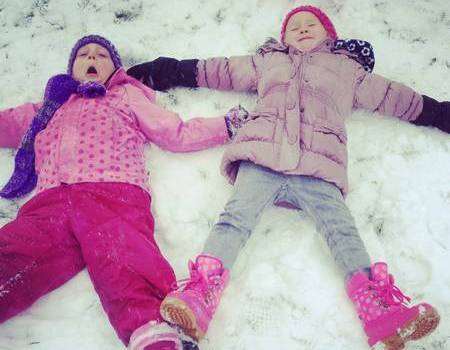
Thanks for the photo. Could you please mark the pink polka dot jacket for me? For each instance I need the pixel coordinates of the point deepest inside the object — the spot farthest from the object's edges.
(102, 139)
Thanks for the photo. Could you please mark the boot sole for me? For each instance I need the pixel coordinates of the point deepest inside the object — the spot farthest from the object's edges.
(177, 312)
(418, 328)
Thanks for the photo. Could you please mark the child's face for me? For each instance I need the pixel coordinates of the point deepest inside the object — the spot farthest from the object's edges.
(304, 31)
(92, 63)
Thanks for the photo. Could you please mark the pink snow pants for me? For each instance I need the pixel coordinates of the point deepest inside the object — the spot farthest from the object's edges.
(106, 227)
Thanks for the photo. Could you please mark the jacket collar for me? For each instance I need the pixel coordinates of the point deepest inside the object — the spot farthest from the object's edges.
(324, 46)
(118, 77)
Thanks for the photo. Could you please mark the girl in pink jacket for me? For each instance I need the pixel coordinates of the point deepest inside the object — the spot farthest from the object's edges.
(293, 151)
(82, 149)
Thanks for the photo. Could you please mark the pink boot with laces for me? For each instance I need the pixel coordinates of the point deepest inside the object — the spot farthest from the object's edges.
(192, 306)
(381, 306)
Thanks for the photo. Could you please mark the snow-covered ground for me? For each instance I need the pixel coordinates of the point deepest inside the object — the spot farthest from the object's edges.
(285, 292)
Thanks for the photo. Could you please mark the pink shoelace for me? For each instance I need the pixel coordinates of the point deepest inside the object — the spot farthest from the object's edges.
(197, 281)
(389, 293)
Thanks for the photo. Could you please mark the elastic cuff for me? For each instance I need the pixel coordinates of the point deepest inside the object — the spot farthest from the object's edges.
(365, 270)
(230, 127)
(430, 112)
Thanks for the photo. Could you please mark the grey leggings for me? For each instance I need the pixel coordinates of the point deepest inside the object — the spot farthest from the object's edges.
(257, 186)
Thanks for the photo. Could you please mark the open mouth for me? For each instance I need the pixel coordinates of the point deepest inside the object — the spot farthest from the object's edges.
(91, 70)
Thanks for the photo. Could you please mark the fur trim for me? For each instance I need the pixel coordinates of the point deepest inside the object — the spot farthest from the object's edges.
(271, 44)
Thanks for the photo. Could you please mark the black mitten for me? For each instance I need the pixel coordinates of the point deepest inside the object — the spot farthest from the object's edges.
(165, 73)
(435, 114)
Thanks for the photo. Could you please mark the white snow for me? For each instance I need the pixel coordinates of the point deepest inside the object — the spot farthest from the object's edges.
(285, 292)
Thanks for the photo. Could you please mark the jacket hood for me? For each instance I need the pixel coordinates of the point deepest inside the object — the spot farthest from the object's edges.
(120, 77)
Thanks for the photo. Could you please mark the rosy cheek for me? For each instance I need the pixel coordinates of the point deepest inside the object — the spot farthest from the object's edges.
(77, 71)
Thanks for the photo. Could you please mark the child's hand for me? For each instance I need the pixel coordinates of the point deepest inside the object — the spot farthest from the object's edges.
(165, 73)
(143, 72)
(235, 118)
(59, 88)
(435, 114)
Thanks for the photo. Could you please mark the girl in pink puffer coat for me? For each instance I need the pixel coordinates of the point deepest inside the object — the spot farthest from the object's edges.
(83, 150)
(293, 151)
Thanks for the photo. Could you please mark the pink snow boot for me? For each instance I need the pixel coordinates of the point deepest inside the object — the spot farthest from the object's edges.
(192, 306)
(381, 306)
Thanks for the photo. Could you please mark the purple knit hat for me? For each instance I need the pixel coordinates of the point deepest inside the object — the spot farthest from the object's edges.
(323, 18)
(96, 39)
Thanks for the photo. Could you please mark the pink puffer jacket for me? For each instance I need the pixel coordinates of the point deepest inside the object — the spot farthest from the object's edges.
(102, 139)
(303, 99)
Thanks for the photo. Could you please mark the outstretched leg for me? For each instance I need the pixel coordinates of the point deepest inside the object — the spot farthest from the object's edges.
(193, 306)
(114, 226)
(38, 252)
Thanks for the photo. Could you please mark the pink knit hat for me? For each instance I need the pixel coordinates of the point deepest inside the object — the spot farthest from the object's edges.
(323, 18)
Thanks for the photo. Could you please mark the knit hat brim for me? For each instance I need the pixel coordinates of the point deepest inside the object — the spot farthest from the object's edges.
(95, 39)
(322, 17)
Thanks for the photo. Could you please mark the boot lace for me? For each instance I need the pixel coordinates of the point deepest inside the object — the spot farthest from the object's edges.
(389, 293)
(196, 281)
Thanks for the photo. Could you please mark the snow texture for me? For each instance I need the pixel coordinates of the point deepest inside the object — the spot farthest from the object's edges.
(285, 292)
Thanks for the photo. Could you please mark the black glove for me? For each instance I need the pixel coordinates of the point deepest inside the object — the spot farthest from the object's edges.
(165, 73)
(435, 114)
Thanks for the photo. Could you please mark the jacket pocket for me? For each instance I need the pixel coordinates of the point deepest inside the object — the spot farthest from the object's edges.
(261, 128)
(265, 112)
(327, 128)
(330, 141)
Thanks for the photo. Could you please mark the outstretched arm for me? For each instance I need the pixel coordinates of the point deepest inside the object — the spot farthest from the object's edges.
(378, 94)
(235, 73)
(167, 130)
(435, 114)
(14, 122)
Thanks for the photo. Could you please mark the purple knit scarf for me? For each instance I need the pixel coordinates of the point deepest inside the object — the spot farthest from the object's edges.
(58, 90)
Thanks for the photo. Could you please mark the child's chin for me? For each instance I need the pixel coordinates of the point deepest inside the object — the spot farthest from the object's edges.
(92, 79)
(305, 48)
